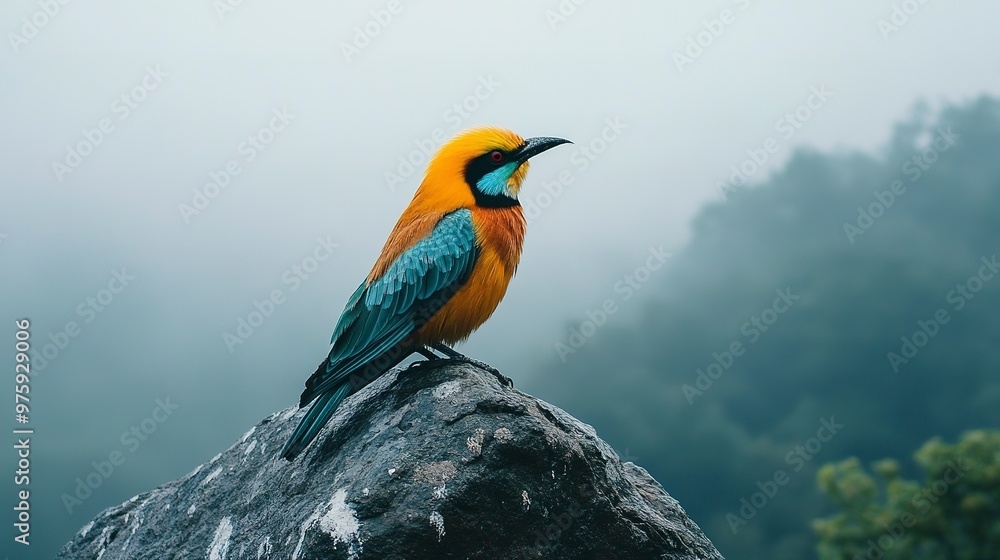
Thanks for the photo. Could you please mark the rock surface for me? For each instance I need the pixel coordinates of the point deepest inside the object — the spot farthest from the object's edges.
(437, 461)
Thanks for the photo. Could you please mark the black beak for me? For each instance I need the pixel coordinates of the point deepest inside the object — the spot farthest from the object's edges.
(534, 146)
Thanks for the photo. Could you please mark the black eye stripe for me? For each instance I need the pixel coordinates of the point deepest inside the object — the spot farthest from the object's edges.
(480, 166)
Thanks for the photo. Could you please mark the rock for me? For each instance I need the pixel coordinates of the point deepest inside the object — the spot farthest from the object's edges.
(439, 461)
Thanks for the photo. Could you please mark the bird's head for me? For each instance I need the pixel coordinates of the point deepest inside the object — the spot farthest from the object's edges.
(484, 166)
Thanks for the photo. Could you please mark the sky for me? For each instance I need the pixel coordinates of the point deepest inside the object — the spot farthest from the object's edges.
(168, 168)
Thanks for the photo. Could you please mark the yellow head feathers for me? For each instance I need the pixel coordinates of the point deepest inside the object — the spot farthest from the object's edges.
(481, 166)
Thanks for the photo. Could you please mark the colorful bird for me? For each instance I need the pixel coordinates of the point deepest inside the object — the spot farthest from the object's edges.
(442, 272)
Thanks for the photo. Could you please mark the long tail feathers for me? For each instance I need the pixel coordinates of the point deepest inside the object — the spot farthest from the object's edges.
(314, 420)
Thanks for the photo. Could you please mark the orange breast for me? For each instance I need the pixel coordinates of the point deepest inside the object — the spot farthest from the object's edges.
(500, 232)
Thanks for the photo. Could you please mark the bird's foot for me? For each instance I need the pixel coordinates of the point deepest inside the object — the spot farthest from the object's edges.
(457, 357)
(432, 360)
(454, 357)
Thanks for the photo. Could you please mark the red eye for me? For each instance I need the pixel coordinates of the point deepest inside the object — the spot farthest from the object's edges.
(496, 156)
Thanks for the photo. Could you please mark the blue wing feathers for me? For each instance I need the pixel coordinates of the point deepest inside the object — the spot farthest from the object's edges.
(381, 315)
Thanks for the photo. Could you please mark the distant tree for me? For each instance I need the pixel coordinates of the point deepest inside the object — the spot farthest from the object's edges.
(715, 406)
(954, 514)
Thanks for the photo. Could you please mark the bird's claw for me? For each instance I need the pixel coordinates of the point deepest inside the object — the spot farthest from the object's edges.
(503, 379)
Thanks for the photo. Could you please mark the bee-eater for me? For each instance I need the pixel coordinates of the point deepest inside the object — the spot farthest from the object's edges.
(442, 272)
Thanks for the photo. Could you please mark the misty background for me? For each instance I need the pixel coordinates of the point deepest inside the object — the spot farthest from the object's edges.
(827, 104)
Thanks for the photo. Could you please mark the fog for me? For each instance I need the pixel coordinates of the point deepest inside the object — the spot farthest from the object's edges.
(167, 168)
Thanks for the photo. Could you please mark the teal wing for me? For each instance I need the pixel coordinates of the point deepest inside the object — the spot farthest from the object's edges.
(381, 315)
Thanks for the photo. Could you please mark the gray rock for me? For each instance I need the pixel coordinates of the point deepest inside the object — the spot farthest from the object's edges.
(435, 462)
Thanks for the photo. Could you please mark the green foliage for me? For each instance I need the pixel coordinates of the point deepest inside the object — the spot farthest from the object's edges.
(954, 514)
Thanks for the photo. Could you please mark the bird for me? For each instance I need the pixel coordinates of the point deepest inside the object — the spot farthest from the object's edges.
(441, 274)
